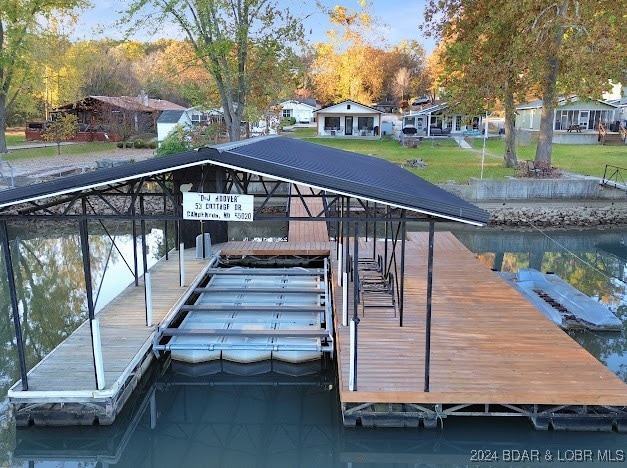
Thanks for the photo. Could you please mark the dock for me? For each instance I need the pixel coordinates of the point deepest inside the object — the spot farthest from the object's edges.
(492, 353)
(62, 386)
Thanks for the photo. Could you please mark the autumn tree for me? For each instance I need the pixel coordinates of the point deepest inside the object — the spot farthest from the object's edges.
(20, 22)
(348, 66)
(480, 65)
(553, 48)
(222, 34)
(62, 128)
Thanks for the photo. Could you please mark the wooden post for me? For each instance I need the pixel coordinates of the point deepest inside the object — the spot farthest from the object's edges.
(148, 293)
(182, 264)
(97, 351)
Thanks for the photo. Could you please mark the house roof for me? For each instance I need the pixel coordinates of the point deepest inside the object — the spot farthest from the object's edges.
(306, 102)
(348, 101)
(429, 110)
(561, 101)
(125, 102)
(170, 116)
(286, 159)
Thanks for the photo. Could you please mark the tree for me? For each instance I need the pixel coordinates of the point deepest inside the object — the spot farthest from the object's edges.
(402, 83)
(20, 22)
(553, 48)
(348, 66)
(222, 34)
(62, 128)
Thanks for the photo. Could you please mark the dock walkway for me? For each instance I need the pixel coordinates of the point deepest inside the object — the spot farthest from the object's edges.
(489, 346)
(306, 231)
(66, 375)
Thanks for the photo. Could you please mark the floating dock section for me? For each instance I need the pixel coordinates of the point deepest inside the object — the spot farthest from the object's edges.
(491, 354)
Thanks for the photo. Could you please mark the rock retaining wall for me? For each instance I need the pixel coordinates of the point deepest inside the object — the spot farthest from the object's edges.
(568, 217)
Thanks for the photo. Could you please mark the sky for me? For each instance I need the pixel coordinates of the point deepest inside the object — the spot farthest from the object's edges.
(399, 20)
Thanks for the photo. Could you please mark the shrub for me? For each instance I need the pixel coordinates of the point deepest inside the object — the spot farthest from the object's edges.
(139, 144)
(120, 144)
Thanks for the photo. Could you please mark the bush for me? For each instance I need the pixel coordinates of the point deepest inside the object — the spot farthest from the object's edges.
(152, 145)
(287, 121)
(139, 144)
(120, 144)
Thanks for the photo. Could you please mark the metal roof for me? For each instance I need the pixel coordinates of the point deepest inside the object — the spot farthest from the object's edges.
(290, 160)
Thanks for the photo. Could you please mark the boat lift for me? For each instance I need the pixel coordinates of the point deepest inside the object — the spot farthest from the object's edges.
(246, 314)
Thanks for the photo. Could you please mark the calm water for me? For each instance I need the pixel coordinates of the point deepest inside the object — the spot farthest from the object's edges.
(274, 419)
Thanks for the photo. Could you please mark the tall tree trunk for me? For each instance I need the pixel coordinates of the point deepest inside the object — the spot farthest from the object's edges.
(544, 149)
(510, 131)
(3, 124)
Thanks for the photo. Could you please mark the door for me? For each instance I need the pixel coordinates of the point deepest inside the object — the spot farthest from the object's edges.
(349, 126)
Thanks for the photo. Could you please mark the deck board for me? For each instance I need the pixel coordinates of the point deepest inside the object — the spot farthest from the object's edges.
(123, 332)
(488, 344)
(306, 231)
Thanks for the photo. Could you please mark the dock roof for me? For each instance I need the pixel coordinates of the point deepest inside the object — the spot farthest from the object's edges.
(290, 160)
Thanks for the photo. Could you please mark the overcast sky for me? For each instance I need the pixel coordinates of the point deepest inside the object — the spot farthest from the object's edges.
(401, 20)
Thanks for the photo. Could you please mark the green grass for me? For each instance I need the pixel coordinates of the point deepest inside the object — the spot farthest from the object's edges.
(580, 159)
(51, 151)
(445, 160)
(15, 138)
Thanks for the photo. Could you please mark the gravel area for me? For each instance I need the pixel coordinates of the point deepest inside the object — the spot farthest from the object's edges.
(29, 171)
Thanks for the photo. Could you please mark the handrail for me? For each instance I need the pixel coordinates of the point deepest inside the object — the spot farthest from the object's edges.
(613, 176)
(602, 133)
(623, 132)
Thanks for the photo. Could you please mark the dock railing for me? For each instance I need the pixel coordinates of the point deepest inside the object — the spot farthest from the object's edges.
(613, 176)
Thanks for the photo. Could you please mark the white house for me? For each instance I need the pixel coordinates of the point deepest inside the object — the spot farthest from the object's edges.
(302, 111)
(186, 118)
(348, 118)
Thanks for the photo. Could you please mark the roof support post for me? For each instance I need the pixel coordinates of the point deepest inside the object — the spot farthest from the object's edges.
(347, 244)
(429, 298)
(401, 300)
(8, 266)
(387, 227)
(352, 380)
(94, 329)
(135, 264)
(165, 225)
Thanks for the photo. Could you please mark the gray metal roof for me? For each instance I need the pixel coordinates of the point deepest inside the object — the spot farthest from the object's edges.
(290, 160)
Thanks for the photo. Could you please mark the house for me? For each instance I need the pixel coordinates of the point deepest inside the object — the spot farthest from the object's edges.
(301, 110)
(434, 120)
(186, 118)
(110, 118)
(348, 118)
(575, 120)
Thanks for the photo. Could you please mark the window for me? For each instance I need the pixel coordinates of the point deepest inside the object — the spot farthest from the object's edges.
(365, 123)
(348, 106)
(331, 123)
(287, 113)
(565, 118)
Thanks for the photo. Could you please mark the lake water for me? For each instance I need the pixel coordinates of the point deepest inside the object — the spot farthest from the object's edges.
(274, 419)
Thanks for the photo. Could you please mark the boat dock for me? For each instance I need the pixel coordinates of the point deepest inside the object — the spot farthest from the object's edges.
(492, 354)
(62, 387)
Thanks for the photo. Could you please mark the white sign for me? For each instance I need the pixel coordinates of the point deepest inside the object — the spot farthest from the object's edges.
(218, 206)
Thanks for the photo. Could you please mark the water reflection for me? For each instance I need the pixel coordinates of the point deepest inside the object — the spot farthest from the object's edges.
(281, 424)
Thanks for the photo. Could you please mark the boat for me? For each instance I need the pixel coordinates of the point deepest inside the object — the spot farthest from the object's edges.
(564, 304)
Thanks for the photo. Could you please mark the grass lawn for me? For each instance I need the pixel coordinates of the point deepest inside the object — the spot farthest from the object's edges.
(51, 151)
(581, 159)
(445, 161)
(15, 138)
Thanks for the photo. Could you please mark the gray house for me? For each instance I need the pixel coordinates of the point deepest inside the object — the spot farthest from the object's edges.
(575, 121)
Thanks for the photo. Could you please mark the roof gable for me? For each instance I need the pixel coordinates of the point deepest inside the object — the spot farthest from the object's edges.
(343, 108)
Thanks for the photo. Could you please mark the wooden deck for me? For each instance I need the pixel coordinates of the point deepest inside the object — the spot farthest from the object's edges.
(306, 231)
(488, 344)
(67, 373)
